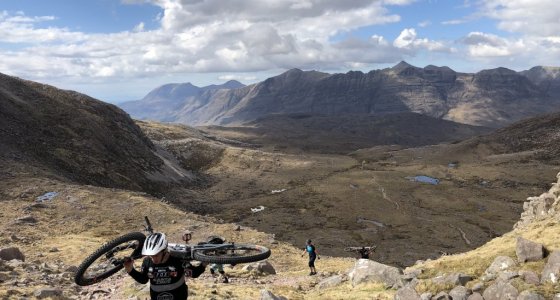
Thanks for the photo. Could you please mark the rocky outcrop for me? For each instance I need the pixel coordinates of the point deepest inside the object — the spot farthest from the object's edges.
(366, 270)
(541, 207)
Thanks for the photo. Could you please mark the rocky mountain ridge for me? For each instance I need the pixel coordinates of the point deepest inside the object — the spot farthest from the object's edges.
(493, 98)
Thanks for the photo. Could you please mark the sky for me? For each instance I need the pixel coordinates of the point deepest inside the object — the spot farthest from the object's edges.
(119, 50)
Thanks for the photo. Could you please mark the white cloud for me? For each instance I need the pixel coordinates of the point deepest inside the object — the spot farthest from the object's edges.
(408, 39)
(139, 27)
(242, 78)
(532, 17)
(204, 36)
(425, 23)
(19, 28)
(534, 26)
(454, 22)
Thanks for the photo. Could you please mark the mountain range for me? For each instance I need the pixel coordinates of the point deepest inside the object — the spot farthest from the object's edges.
(491, 98)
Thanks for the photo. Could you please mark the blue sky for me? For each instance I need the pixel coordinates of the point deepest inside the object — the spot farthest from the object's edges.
(119, 50)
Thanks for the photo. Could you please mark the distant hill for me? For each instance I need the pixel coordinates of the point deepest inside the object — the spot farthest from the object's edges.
(346, 133)
(539, 135)
(492, 98)
(161, 103)
(70, 135)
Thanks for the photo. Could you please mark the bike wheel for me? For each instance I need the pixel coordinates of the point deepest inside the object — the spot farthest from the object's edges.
(232, 254)
(109, 259)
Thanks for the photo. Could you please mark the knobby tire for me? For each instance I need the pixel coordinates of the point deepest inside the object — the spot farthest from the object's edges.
(83, 281)
(232, 254)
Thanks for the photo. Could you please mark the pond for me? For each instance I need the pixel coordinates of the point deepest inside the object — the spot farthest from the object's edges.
(424, 179)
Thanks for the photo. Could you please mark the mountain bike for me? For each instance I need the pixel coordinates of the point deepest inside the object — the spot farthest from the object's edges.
(109, 258)
(350, 249)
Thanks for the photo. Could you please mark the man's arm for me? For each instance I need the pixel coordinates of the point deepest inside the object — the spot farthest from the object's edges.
(140, 277)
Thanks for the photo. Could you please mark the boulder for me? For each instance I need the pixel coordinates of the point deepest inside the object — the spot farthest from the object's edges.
(500, 291)
(551, 271)
(529, 295)
(407, 293)
(268, 295)
(368, 270)
(460, 293)
(454, 279)
(11, 253)
(530, 277)
(527, 250)
(500, 264)
(263, 267)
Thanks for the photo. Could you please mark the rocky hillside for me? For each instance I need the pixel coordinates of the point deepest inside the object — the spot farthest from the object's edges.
(345, 133)
(493, 98)
(69, 135)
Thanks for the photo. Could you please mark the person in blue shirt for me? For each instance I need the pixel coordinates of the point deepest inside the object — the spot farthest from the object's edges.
(310, 249)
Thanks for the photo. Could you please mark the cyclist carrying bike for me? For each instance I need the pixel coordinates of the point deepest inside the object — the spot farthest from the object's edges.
(165, 272)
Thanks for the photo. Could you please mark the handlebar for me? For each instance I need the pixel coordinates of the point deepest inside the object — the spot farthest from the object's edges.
(148, 225)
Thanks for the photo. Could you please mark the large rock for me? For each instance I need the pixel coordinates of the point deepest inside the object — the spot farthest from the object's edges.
(530, 277)
(11, 253)
(460, 293)
(500, 291)
(551, 271)
(368, 270)
(263, 267)
(407, 293)
(527, 250)
(268, 295)
(500, 264)
(454, 279)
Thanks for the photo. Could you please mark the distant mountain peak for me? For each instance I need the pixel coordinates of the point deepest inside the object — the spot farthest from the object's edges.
(498, 71)
(401, 66)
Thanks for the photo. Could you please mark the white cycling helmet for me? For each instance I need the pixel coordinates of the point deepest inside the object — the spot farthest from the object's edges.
(154, 243)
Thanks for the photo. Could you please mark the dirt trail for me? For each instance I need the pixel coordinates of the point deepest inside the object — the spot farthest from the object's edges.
(384, 193)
